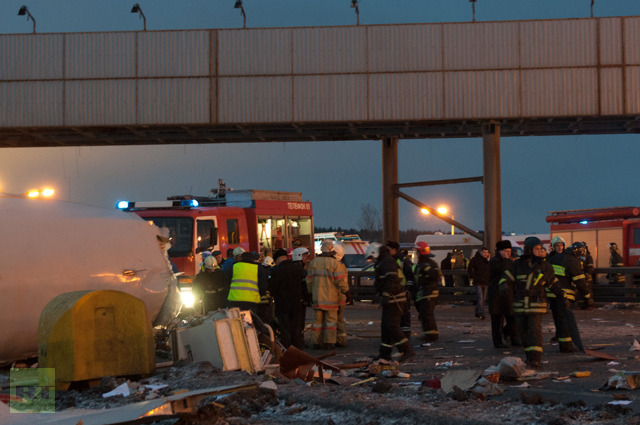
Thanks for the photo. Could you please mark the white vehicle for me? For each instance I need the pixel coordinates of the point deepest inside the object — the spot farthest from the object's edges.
(354, 251)
(50, 248)
(336, 236)
(442, 244)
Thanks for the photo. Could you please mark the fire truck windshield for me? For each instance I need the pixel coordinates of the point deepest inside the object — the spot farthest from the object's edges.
(180, 231)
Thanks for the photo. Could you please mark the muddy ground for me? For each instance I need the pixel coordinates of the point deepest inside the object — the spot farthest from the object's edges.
(557, 398)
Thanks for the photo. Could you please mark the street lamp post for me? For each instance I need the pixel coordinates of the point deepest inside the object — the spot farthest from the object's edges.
(25, 11)
(443, 211)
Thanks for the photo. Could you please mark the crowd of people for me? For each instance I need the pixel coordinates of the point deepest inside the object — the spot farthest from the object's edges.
(515, 291)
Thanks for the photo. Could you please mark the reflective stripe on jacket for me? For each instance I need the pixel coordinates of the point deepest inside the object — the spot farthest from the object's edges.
(326, 281)
(244, 283)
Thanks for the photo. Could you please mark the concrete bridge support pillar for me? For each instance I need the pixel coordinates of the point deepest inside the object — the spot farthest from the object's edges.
(491, 183)
(390, 229)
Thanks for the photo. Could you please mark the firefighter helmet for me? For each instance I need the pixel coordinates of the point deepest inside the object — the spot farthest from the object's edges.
(268, 262)
(210, 262)
(297, 253)
(238, 251)
(327, 246)
(339, 249)
(557, 239)
(529, 243)
(423, 249)
(373, 251)
(578, 248)
(613, 246)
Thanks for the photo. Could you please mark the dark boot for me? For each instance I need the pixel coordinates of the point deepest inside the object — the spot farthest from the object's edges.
(385, 353)
(407, 352)
(568, 347)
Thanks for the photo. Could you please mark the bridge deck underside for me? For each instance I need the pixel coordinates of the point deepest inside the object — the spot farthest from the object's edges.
(290, 132)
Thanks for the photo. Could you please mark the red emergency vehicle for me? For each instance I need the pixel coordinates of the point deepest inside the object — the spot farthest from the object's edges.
(598, 228)
(256, 220)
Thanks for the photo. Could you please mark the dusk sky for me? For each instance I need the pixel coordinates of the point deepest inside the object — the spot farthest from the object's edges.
(539, 174)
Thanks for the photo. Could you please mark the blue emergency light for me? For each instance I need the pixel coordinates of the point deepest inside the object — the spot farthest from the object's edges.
(189, 203)
(584, 222)
(122, 205)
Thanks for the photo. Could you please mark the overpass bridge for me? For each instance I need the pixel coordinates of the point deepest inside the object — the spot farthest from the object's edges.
(378, 82)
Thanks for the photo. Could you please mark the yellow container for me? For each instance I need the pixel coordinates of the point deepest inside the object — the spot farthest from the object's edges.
(86, 335)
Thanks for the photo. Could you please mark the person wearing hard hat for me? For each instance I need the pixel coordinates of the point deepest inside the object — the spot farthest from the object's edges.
(527, 279)
(286, 284)
(210, 286)
(392, 297)
(405, 273)
(345, 298)
(248, 282)
(428, 278)
(227, 267)
(571, 277)
(326, 281)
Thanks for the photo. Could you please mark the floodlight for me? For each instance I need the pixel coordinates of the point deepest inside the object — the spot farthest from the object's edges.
(25, 11)
(137, 9)
(354, 5)
(238, 5)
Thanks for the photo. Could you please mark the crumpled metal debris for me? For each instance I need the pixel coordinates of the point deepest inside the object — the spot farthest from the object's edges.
(624, 380)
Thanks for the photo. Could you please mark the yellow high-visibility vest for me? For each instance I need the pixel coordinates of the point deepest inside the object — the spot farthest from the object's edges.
(244, 283)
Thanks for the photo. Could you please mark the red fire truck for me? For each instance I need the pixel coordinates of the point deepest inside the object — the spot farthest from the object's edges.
(598, 228)
(256, 220)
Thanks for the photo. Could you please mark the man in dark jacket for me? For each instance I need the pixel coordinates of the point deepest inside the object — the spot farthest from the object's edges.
(527, 278)
(446, 265)
(501, 305)
(393, 298)
(286, 284)
(479, 272)
(428, 279)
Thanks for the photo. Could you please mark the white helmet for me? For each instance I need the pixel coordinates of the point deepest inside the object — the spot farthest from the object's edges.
(339, 249)
(210, 262)
(297, 253)
(268, 262)
(327, 246)
(558, 239)
(238, 251)
(373, 251)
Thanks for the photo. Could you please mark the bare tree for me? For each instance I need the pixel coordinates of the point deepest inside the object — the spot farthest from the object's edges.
(370, 220)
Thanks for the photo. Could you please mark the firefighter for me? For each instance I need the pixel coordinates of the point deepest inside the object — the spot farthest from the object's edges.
(501, 305)
(428, 279)
(248, 282)
(393, 298)
(615, 260)
(406, 275)
(527, 279)
(210, 287)
(341, 336)
(570, 277)
(326, 281)
(285, 285)
(581, 252)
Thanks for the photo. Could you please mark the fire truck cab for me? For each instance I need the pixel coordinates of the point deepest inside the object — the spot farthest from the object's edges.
(256, 220)
(598, 228)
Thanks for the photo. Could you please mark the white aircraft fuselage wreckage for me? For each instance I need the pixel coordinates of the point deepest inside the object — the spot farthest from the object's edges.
(48, 248)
